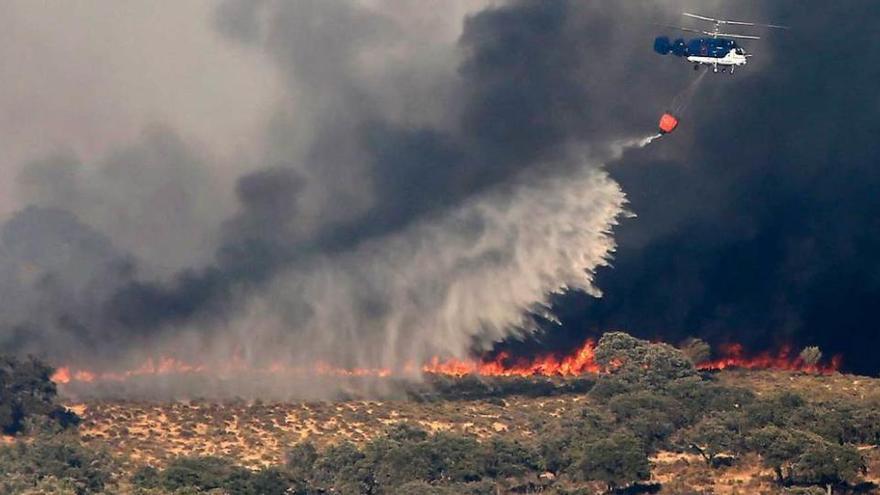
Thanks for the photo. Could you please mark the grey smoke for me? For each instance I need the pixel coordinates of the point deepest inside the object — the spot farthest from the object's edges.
(409, 198)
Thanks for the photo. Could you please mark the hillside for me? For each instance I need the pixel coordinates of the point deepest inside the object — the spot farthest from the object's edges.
(649, 421)
(260, 434)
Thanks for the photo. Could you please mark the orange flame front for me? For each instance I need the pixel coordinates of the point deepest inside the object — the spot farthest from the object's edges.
(581, 361)
(734, 356)
(578, 363)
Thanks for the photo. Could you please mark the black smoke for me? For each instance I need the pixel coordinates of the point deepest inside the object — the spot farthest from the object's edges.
(365, 173)
(758, 220)
(526, 95)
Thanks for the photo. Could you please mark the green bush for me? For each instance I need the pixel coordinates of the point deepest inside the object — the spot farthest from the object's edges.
(58, 462)
(27, 393)
(641, 363)
(652, 417)
(618, 460)
(204, 474)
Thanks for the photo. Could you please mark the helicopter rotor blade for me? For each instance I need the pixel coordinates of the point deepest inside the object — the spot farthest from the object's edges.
(689, 30)
(702, 18)
(740, 36)
(734, 23)
(756, 24)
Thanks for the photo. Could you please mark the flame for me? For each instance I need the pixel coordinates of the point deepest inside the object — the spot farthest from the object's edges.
(61, 376)
(581, 361)
(734, 356)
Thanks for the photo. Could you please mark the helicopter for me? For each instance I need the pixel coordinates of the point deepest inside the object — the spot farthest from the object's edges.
(719, 51)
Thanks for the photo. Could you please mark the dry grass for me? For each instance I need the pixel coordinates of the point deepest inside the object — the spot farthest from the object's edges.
(259, 434)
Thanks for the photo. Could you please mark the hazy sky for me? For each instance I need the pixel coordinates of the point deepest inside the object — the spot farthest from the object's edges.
(90, 75)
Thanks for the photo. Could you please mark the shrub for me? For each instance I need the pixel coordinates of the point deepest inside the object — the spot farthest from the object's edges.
(650, 416)
(617, 461)
(206, 474)
(811, 355)
(826, 463)
(58, 462)
(28, 393)
(714, 435)
(697, 350)
(644, 364)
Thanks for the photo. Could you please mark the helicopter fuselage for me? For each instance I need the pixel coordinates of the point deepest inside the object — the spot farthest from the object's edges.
(715, 52)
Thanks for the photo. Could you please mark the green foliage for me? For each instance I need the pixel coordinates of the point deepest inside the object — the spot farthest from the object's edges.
(301, 460)
(28, 394)
(423, 488)
(779, 448)
(408, 458)
(804, 490)
(340, 466)
(146, 477)
(506, 458)
(697, 350)
(652, 417)
(471, 387)
(441, 457)
(558, 443)
(618, 460)
(775, 411)
(204, 474)
(57, 462)
(827, 463)
(716, 434)
(641, 363)
(699, 399)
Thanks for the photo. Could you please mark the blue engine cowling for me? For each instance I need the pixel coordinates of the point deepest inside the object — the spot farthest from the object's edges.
(679, 48)
(662, 45)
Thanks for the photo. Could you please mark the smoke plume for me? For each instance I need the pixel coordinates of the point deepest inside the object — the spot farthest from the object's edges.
(423, 185)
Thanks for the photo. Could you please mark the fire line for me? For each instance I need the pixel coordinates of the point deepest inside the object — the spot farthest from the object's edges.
(580, 362)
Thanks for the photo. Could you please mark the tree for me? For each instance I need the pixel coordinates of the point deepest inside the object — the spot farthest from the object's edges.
(811, 355)
(776, 411)
(204, 473)
(713, 435)
(340, 466)
(28, 393)
(779, 449)
(215, 474)
(273, 481)
(561, 442)
(652, 417)
(618, 460)
(697, 350)
(60, 459)
(702, 398)
(507, 458)
(442, 457)
(301, 459)
(642, 363)
(825, 463)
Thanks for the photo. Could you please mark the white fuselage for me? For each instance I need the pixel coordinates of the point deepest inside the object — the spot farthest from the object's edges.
(732, 58)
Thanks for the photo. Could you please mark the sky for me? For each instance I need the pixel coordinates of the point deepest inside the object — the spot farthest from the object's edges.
(373, 182)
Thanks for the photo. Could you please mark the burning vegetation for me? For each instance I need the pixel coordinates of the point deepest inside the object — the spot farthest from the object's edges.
(581, 361)
(632, 416)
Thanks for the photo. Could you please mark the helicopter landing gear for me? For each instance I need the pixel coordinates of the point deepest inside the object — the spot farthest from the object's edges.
(723, 70)
(696, 66)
